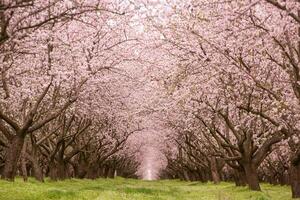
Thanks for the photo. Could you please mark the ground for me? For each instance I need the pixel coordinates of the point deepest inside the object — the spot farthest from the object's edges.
(127, 189)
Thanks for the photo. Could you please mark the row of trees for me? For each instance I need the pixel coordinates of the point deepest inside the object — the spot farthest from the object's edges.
(72, 146)
(230, 112)
(62, 112)
(236, 88)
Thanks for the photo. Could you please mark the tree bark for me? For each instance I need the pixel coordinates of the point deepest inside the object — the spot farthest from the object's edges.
(252, 176)
(214, 171)
(111, 172)
(12, 157)
(240, 177)
(92, 172)
(24, 169)
(37, 171)
(58, 171)
(295, 180)
(106, 170)
(53, 172)
(204, 175)
(80, 169)
(24, 162)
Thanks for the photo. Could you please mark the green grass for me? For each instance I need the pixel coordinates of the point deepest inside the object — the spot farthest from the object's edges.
(127, 189)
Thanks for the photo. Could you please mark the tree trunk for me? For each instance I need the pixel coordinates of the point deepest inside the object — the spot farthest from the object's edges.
(53, 171)
(111, 172)
(193, 176)
(37, 171)
(80, 169)
(61, 170)
(295, 180)
(240, 177)
(186, 175)
(12, 157)
(204, 176)
(92, 172)
(252, 176)
(101, 171)
(58, 171)
(214, 170)
(24, 163)
(24, 169)
(106, 170)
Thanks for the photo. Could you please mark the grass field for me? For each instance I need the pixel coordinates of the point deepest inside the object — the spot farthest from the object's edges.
(126, 189)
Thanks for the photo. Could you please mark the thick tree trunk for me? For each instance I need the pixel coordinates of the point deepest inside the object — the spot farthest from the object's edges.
(240, 177)
(285, 179)
(295, 180)
(24, 163)
(106, 170)
(58, 171)
(37, 171)
(80, 170)
(101, 171)
(252, 176)
(62, 171)
(92, 172)
(12, 157)
(111, 172)
(24, 169)
(204, 176)
(53, 172)
(214, 171)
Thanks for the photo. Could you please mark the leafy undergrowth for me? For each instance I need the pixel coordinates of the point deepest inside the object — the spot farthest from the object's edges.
(127, 189)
